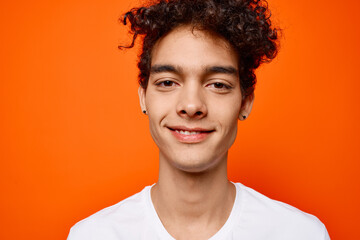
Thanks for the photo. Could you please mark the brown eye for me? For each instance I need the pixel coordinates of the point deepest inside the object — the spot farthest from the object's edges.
(167, 83)
(219, 85)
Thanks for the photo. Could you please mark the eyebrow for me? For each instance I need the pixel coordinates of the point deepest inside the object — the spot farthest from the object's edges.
(164, 68)
(157, 68)
(222, 69)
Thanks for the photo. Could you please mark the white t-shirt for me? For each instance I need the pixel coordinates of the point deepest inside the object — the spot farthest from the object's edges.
(253, 217)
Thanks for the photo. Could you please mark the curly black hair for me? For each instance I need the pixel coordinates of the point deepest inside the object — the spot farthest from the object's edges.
(245, 24)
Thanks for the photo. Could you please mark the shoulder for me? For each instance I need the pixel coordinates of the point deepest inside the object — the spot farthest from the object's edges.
(277, 218)
(110, 222)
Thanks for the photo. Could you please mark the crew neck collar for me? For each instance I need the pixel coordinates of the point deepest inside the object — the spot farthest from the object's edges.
(223, 231)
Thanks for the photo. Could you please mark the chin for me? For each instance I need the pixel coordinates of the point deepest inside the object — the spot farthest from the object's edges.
(193, 164)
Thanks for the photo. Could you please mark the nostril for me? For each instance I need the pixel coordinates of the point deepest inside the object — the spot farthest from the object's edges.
(198, 113)
(183, 111)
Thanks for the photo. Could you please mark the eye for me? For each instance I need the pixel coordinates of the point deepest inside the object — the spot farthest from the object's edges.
(220, 86)
(167, 84)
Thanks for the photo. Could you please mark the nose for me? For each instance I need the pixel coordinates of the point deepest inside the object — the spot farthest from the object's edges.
(191, 104)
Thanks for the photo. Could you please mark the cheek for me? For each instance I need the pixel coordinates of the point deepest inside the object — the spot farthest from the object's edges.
(158, 108)
(227, 110)
(226, 114)
(155, 105)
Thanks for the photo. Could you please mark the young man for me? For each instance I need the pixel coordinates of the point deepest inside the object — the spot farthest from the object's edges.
(196, 80)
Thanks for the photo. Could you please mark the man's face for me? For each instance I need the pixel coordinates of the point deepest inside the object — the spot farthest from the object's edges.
(193, 99)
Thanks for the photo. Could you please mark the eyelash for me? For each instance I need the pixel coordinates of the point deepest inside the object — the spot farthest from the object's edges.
(222, 87)
(161, 83)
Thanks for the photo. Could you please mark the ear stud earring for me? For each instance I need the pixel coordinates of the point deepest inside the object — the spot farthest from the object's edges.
(242, 117)
(144, 111)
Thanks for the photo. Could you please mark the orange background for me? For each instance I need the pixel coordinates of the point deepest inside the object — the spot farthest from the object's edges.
(73, 139)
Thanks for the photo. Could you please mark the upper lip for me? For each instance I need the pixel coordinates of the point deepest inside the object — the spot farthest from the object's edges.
(190, 129)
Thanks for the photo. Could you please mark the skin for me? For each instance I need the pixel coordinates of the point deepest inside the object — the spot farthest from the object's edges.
(193, 86)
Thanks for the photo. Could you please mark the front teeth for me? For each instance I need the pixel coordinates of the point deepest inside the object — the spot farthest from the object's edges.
(186, 132)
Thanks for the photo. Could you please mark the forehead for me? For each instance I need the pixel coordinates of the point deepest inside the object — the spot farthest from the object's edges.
(192, 49)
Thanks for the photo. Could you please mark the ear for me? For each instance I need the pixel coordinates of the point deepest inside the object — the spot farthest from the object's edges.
(246, 106)
(141, 92)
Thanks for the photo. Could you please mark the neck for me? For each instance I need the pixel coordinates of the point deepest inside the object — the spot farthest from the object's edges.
(195, 201)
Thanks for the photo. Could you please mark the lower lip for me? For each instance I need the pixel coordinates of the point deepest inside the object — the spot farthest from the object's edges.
(193, 138)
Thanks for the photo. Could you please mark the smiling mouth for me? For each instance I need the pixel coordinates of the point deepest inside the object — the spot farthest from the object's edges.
(189, 131)
(187, 135)
(186, 132)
